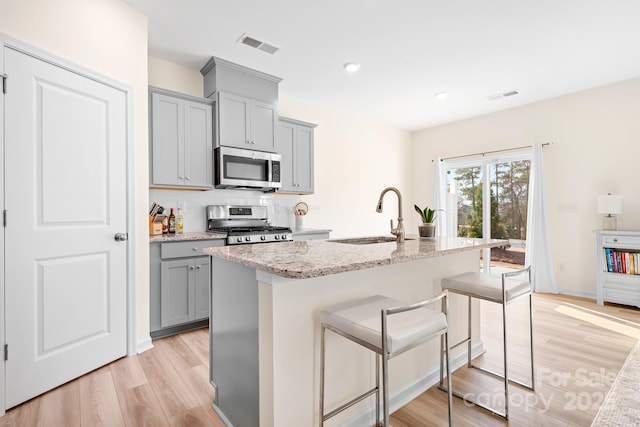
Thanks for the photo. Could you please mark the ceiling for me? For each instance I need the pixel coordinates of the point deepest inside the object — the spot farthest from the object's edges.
(409, 50)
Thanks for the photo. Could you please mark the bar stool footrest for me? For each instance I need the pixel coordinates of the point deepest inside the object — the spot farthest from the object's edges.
(499, 375)
(464, 341)
(479, 405)
(350, 403)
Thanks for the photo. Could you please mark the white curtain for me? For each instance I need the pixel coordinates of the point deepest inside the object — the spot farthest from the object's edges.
(538, 252)
(440, 196)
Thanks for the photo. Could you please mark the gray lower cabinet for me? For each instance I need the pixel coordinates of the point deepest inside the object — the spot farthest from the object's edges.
(245, 123)
(182, 284)
(181, 139)
(295, 144)
(180, 281)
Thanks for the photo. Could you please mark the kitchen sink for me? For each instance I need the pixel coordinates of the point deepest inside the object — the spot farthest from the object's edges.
(368, 240)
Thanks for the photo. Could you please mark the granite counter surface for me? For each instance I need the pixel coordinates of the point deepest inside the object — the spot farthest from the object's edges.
(183, 237)
(309, 231)
(314, 258)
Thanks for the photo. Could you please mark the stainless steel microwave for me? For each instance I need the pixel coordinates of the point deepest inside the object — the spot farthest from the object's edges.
(240, 168)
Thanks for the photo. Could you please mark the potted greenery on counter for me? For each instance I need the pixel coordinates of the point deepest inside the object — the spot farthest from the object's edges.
(428, 217)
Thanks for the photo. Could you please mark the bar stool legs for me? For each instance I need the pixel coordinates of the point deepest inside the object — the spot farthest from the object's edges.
(355, 321)
(375, 390)
(481, 287)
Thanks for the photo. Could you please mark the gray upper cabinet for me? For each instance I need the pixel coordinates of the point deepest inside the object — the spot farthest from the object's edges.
(246, 105)
(246, 123)
(181, 131)
(295, 144)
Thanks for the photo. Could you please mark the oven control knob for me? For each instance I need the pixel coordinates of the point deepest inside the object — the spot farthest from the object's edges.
(263, 237)
(284, 237)
(239, 239)
(277, 237)
(247, 239)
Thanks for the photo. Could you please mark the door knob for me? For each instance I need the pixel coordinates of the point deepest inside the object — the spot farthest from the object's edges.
(121, 237)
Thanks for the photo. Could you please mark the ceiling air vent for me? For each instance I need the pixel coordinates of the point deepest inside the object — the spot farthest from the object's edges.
(502, 95)
(258, 44)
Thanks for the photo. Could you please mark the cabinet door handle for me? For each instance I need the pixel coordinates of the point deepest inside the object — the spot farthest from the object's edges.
(191, 267)
(195, 249)
(615, 240)
(198, 267)
(188, 178)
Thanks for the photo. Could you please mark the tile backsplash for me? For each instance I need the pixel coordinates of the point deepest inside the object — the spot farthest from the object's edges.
(280, 206)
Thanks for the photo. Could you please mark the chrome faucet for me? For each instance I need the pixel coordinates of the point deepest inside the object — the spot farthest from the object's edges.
(399, 230)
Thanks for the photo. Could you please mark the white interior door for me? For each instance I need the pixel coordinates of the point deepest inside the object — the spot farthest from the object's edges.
(65, 196)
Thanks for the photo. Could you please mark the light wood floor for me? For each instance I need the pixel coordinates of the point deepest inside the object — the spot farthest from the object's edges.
(165, 386)
(579, 348)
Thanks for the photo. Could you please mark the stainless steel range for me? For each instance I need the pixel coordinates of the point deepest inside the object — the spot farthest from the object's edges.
(245, 224)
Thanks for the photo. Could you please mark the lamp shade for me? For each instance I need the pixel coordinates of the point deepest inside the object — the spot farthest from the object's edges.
(610, 204)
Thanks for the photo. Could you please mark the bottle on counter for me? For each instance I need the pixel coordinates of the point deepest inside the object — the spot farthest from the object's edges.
(165, 221)
(172, 223)
(179, 221)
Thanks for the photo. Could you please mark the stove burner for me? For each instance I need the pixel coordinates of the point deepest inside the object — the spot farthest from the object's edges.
(261, 234)
(245, 225)
(233, 231)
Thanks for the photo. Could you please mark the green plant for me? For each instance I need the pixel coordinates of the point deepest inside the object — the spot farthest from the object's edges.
(427, 214)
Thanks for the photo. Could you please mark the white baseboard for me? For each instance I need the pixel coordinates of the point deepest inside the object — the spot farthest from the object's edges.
(590, 295)
(144, 345)
(222, 416)
(406, 394)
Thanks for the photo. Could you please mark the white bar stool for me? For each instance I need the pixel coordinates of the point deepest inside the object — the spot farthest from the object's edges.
(387, 327)
(502, 290)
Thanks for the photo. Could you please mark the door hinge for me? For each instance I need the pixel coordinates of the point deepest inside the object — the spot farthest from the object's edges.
(6, 352)
(4, 83)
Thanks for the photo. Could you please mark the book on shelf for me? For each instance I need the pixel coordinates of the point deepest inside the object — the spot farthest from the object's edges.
(608, 253)
(622, 261)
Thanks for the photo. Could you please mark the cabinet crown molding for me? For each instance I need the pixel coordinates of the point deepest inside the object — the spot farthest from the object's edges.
(214, 61)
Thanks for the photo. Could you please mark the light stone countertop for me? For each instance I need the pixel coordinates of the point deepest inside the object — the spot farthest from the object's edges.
(205, 235)
(183, 237)
(307, 231)
(315, 258)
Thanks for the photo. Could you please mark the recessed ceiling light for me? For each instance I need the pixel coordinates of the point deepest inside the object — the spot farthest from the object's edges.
(441, 95)
(352, 67)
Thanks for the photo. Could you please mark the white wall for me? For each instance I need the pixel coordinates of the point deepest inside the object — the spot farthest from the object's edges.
(596, 147)
(354, 161)
(172, 76)
(110, 38)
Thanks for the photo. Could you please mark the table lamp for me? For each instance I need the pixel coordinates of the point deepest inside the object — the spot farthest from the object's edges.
(609, 205)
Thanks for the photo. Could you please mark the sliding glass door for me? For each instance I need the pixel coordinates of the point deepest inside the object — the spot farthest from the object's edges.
(488, 196)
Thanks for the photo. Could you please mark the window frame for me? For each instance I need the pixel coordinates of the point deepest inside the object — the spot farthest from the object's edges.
(484, 161)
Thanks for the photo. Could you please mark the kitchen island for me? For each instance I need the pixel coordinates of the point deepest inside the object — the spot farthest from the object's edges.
(266, 301)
